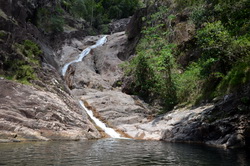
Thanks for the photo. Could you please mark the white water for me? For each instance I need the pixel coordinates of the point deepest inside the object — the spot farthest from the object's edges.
(84, 53)
(111, 132)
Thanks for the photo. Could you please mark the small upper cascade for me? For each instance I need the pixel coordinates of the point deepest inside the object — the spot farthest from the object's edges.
(111, 132)
(85, 52)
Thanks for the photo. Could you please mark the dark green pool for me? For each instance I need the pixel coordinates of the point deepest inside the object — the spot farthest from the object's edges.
(107, 152)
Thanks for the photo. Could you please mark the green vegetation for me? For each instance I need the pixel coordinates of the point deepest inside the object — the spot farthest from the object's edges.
(189, 84)
(23, 67)
(51, 21)
(98, 13)
(152, 68)
(2, 33)
(237, 76)
(222, 43)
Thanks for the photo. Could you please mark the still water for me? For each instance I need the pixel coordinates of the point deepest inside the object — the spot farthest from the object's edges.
(107, 152)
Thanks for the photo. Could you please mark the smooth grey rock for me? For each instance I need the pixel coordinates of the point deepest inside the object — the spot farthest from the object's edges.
(27, 113)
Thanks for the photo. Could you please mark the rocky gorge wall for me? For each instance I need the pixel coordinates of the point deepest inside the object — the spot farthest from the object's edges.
(45, 108)
(42, 109)
(49, 110)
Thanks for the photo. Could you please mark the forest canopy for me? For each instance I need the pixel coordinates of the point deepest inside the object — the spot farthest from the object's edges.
(101, 9)
(96, 12)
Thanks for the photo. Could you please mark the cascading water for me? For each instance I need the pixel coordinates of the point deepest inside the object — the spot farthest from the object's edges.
(84, 53)
(111, 132)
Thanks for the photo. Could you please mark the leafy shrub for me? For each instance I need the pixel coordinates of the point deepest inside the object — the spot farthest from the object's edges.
(216, 43)
(199, 15)
(56, 24)
(98, 12)
(104, 29)
(2, 33)
(238, 76)
(30, 50)
(152, 68)
(214, 36)
(50, 21)
(189, 84)
(115, 12)
(23, 68)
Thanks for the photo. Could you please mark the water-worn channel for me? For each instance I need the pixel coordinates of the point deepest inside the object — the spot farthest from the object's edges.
(85, 52)
(111, 132)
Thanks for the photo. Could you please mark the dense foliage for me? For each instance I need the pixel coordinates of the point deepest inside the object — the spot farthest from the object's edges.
(152, 68)
(96, 12)
(23, 67)
(50, 20)
(222, 43)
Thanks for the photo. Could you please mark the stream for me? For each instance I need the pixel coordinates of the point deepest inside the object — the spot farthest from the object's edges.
(111, 132)
(85, 52)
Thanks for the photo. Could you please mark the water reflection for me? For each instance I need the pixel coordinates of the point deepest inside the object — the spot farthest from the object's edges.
(108, 152)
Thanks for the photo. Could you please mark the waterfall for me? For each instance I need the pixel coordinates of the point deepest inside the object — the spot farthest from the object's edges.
(111, 132)
(84, 53)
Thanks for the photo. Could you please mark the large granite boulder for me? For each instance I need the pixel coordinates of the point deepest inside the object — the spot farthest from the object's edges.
(30, 113)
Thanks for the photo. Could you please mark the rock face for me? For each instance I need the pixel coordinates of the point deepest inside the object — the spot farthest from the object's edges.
(118, 25)
(43, 111)
(118, 110)
(16, 19)
(204, 124)
(27, 113)
(100, 69)
(220, 125)
(93, 80)
(135, 24)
